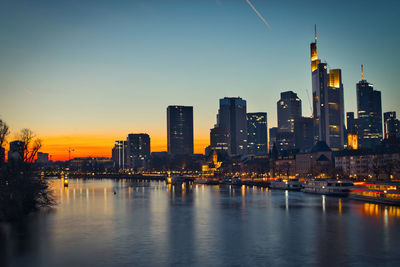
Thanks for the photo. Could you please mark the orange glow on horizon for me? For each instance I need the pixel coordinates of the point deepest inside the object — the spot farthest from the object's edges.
(99, 146)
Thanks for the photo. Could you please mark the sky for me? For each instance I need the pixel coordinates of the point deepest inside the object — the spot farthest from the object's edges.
(83, 74)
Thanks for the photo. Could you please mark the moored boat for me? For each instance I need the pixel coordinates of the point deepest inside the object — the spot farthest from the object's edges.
(290, 184)
(327, 187)
(377, 192)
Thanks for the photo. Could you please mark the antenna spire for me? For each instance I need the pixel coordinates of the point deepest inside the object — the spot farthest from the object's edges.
(315, 32)
(362, 72)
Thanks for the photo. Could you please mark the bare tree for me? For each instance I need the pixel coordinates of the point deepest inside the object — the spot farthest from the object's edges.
(31, 144)
(4, 131)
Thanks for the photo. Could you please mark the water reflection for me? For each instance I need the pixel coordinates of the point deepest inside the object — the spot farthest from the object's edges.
(125, 222)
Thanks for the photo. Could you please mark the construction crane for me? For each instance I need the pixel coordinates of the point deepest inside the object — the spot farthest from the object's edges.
(69, 152)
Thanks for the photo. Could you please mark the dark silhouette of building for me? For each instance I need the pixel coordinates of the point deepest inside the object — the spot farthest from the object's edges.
(180, 130)
(289, 109)
(352, 126)
(257, 134)
(2, 155)
(391, 125)
(119, 154)
(42, 157)
(16, 152)
(138, 150)
(232, 117)
(219, 140)
(303, 133)
(369, 107)
(328, 103)
(273, 131)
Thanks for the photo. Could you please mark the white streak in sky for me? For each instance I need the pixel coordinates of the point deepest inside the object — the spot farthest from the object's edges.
(258, 14)
(29, 92)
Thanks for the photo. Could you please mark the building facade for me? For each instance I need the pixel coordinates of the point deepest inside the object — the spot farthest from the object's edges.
(369, 109)
(232, 117)
(219, 140)
(16, 152)
(391, 125)
(288, 110)
(328, 102)
(180, 130)
(303, 133)
(119, 154)
(138, 150)
(257, 134)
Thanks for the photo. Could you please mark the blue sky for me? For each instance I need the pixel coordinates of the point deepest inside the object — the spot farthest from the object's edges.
(112, 67)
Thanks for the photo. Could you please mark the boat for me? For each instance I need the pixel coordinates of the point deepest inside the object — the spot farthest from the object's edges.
(206, 180)
(377, 192)
(327, 187)
(175, 180)
(286, 184)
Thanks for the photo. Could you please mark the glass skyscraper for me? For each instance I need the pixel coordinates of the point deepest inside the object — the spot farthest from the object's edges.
(257, 134)
(180, 130)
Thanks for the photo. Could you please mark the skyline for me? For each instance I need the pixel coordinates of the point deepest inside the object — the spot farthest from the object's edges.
(81, 88)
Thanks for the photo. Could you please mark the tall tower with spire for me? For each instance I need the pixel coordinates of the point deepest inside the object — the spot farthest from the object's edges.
(328, 103)
(369, 109)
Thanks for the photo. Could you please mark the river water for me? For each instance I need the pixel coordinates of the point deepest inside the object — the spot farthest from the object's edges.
(126, 223)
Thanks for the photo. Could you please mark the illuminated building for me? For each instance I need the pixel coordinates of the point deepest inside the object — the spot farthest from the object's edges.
(328, 103)
(257, 134)
(232, 117)
(352, 141)
(180, 130)
(289, 109)
(219, 140)
(138, 150)
(369, 107)
(391, 125)
(119, 154)
(212, 165)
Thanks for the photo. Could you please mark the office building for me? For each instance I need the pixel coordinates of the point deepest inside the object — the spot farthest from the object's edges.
(138, 150)
(232, 117)
(180, 130)
(303, 133)
(289, 109)
(16, 152)
(42, 157)
(119, 154)
(273, 131)
(328, 103)
(219, 140)
(391, 125)
(257, 134)
(369, 108)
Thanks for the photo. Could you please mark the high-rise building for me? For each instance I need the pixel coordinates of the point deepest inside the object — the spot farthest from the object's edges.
(351, 123)
(391, 125)
(16, 152)
(232, 117)
(369, 107)
(289, 109)
(328, 103)
(303, 133)
(180, 130)
(119, 154)
(273, 131)
(257, 134)
(138, 150)
(219, 140)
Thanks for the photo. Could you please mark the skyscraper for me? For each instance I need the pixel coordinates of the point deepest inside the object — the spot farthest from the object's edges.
(138, 150)
(391, 125)
(232, 117)
(219, 140)
(119, 154)
(16, 152)
(257, 134)
(289, 109)
(351, 123)
(273, 131)
(328, 103)
(369, 107)
(180, 130)
(303, 133)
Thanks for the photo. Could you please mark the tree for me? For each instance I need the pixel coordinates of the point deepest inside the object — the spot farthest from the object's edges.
(4, 131)
(31, 144)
